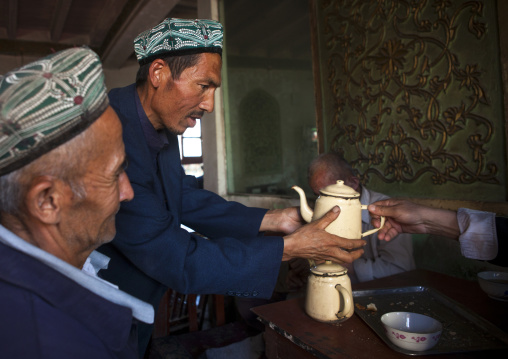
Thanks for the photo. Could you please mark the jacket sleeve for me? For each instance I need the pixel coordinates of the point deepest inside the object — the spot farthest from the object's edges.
(149, 233)
(150, 237)
(209, 214)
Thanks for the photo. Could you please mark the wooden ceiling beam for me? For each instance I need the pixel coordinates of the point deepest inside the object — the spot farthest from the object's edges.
(105, 18)
(12, 27)
(147, 14)
(31, 48)
(59, 19)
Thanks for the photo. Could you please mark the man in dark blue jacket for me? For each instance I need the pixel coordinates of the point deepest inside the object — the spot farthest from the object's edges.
(61, 182)
(180, 69)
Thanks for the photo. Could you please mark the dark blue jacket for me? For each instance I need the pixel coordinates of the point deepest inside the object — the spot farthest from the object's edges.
(151, 251)
(44, 314)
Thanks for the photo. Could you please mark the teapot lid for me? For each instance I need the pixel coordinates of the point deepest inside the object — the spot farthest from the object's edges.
(339, 189)
(328, 269)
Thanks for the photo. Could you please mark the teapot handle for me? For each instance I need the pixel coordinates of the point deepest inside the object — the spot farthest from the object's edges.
(348, 302)
(375, 229)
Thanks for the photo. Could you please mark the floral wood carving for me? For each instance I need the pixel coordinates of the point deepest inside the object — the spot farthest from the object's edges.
(413, 89)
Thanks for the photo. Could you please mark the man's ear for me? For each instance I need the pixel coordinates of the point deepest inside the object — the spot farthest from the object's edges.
(45, 198)
(157, 72)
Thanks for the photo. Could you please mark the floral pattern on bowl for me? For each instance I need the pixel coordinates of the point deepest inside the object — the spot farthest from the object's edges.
(421, 332)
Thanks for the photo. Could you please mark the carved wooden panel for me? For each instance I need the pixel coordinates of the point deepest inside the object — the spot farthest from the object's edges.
(411, 93)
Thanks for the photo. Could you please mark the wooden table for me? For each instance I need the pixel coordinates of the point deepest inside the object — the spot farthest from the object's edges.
(291, 333)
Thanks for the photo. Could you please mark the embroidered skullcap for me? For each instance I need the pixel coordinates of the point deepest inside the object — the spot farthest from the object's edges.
(178, 37)
(48, 102)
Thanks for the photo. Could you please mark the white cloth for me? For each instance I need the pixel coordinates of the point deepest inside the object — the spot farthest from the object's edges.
(140, 310)
(381, 258)
(478, 235)
(94, 263)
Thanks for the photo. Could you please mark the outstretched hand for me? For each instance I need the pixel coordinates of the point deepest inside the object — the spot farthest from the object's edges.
(313, 242)
(401, 217)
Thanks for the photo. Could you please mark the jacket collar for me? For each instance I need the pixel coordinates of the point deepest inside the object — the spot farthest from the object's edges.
(108, 321)
(140, 310)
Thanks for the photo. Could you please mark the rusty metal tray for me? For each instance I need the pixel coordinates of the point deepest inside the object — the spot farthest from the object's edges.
(463, 331)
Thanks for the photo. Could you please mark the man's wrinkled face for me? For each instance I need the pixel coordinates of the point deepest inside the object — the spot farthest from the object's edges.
(92, 219)
(178, 103)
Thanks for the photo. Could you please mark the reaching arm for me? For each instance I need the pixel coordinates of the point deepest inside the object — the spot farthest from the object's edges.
(311, 241)
(403, 216)
(475, 230)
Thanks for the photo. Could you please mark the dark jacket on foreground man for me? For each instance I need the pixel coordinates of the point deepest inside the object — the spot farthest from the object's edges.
(58, 317)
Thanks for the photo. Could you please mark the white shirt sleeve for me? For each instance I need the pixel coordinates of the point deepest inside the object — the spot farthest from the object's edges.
(478, 236)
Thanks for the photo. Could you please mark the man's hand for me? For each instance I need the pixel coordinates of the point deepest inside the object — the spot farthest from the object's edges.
(403, 216)
(285, 220)
(313, 242)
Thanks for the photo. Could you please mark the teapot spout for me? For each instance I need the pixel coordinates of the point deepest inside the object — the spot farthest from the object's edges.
(304, 207)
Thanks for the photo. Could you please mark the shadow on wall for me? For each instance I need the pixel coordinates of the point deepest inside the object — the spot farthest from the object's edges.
(441, 254)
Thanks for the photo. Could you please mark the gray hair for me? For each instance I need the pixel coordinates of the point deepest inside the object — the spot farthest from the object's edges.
(336, 166)
(67, 162)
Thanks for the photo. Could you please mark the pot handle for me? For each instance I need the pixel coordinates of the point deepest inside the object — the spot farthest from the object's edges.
(364, 206)
(348, 301)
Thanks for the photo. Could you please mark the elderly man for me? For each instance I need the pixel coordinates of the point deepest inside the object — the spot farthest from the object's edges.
(180, 69)
(62, 180)
(380, 258)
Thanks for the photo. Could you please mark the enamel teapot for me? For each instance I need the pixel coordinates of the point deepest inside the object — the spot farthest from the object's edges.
(329, 297)
(349, 223)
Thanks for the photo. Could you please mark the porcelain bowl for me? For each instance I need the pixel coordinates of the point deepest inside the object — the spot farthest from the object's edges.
(411, 331)
(495, 284)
